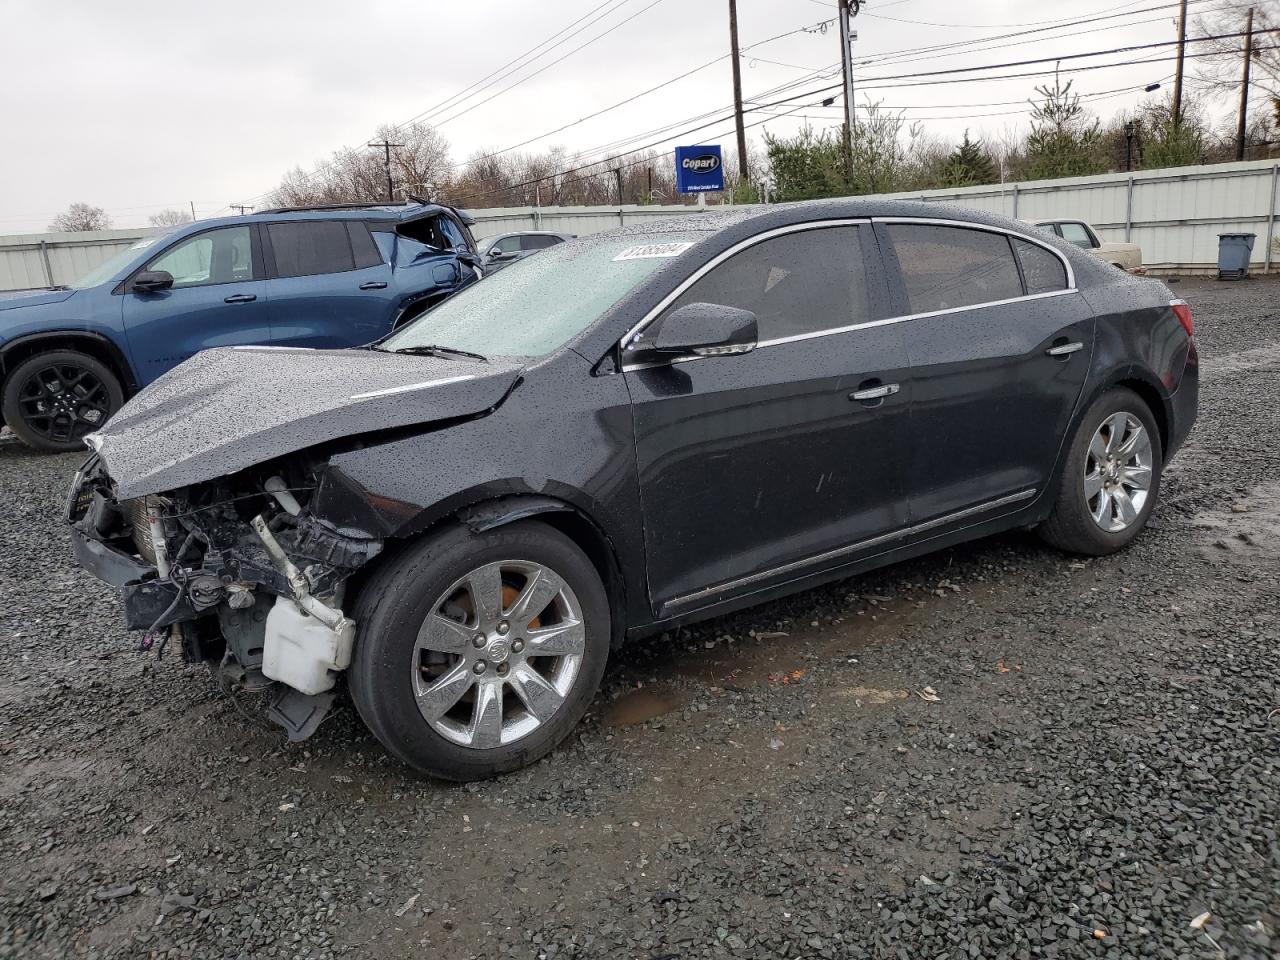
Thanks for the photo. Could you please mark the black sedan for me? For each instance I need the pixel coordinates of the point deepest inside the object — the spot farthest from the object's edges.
(626, 433)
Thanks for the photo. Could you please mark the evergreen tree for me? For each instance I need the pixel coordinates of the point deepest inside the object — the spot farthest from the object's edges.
(1064, 139)
(969, 165)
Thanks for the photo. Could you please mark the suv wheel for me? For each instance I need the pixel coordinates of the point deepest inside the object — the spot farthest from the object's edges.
(1111, 478)
(52, 400)
(478, 653)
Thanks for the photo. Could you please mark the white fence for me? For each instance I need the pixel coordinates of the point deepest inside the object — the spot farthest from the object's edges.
(1175, 215)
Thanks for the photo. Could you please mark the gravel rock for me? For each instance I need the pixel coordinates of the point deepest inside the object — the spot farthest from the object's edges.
(1102, 768)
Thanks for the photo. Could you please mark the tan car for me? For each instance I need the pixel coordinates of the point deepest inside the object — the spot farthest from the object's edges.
(1126, 256)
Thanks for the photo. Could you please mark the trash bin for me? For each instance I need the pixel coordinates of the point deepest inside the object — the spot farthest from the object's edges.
(1234, 250)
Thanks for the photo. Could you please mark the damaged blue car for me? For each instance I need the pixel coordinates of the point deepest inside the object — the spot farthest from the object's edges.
(329, 276)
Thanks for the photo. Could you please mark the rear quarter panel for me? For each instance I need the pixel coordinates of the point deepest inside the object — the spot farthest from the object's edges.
(1140, 341)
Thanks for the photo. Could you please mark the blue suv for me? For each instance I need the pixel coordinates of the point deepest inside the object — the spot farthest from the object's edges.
(337, 276)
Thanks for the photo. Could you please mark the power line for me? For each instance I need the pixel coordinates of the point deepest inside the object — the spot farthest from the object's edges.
(527, 77)
(452, 100)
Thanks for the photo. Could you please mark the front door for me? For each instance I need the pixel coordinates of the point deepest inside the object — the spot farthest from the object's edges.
(218, 299)
(754, 466)
(999, 347)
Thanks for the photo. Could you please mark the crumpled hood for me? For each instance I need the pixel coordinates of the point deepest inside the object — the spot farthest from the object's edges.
(10, 300)
(228, 409)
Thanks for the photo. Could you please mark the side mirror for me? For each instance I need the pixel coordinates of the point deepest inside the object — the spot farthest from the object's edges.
(149, 281)
(707, 330)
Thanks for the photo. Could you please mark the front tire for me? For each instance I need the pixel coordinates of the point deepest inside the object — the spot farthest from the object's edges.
(479, 652)
(1111, 478)
(53, 400)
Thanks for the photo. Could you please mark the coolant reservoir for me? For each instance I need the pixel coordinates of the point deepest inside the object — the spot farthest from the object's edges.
(301, 651)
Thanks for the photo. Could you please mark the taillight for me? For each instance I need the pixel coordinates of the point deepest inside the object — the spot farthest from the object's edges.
(1182, 310)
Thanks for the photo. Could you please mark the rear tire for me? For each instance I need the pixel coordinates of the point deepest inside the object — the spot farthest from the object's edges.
(1111, 478)
(52, 400)
(447, 672)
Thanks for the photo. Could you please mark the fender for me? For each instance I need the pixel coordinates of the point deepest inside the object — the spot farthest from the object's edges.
(102, 342)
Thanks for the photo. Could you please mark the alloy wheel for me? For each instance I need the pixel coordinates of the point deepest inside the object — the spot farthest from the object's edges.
(63, 402)
(498, 654)
(1117, 472)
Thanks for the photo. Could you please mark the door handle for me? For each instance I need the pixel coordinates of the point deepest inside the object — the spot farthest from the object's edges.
(241, 298)
(1064, 349)
(374, 285)
(875, 393)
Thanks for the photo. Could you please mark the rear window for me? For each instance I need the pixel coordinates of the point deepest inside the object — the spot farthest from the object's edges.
(944, 268)
(308, 247)
(363, 248)
(1042, 270)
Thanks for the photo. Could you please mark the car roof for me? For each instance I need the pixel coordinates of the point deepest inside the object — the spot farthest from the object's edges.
(388, 213)
(762, 217)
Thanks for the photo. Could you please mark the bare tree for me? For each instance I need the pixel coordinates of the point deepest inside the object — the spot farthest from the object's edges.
(80, 217)
(1218, 69)
(357, 174)
(170, 217)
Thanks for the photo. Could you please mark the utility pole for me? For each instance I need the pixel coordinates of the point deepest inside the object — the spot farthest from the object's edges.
(737, 90)
(242, 207)
(1244, 87)
(848, 10)
(617, 173)
(1177, 76)
(386, 153)
(193, 210)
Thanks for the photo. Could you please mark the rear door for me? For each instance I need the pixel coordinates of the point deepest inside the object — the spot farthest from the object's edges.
(999, 344)
(760, 468)
(331, 286)
(219, 298)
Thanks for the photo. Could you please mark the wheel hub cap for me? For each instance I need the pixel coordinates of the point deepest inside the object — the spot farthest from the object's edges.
(498, 654)
(1117, 472)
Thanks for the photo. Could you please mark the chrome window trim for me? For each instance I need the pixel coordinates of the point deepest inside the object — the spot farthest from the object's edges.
(796, 565)
(738, 247)
(989, 228)
(724, 255)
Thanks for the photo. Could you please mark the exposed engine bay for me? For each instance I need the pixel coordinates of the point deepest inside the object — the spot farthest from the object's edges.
(235, 572)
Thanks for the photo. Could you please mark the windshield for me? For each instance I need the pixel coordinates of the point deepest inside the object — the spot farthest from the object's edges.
(114, 264)
(540, 303)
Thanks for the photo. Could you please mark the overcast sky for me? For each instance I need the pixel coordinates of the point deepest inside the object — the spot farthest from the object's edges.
(139, 106)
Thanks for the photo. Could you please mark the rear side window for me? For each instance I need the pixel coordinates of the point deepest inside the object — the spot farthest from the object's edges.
(309, 247)
(1042, 270)
(540, 242)
(363, 248)
(1078, 234)
(944, 268)
(797, 283)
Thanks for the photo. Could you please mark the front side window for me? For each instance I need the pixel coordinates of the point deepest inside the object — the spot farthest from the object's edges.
(224, 255)
(1078, 234)
(305, 248)
(1042, 270)
(944, 268)
(538, 304)
(797, 283)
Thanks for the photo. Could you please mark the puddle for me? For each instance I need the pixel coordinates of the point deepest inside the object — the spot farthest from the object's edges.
(640, 706)
(872, 694)
(1248, 530)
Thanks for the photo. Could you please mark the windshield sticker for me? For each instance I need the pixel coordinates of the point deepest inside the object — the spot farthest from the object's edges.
(649, 251)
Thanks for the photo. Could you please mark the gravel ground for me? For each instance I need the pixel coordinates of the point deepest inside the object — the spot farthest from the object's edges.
(1100, 767)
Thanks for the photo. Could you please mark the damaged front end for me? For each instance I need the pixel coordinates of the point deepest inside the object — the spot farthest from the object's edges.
(236, 572)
